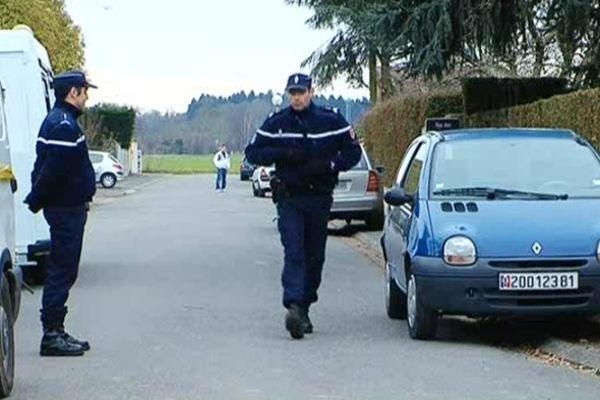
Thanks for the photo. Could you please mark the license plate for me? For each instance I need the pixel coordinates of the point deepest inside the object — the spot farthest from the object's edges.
(343, 185)
(539, 281)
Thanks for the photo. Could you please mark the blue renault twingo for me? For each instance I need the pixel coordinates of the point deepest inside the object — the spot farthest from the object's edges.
(486, 222)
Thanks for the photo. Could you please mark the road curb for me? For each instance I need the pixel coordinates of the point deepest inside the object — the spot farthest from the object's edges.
(582, 353)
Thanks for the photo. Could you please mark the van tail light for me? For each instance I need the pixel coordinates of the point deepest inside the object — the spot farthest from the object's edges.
(373, 185)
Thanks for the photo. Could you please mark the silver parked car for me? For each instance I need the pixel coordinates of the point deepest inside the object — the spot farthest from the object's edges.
(261, 180)
(359, 194)
(107, 168)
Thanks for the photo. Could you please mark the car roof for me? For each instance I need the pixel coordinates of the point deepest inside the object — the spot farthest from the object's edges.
(488, 133)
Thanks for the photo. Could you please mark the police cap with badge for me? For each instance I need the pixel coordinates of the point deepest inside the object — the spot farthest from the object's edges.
(301, 82)
(73, 79)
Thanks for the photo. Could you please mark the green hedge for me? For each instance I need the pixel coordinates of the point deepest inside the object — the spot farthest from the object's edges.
(391, 125)
(483, 94)
(578, 111)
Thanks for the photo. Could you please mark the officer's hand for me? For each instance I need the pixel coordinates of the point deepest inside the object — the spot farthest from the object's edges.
(33, 207)
(319, 166)
(295, 156)
(32, 204)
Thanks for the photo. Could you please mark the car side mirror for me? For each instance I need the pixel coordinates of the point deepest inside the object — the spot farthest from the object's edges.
(380, 169)
(397, 197)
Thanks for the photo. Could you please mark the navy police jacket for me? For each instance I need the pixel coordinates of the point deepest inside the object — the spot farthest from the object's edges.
(63, 175)
(308, 148)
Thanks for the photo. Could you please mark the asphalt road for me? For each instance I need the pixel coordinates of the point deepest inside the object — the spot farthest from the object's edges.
(179, 295)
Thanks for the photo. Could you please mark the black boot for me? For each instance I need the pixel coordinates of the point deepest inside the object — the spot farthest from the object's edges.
(306, 322)
(85, 345)
(294, 321)
(54, 344)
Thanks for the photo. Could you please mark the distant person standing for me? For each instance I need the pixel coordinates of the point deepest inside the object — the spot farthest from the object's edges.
(222, 161)
(63, 182)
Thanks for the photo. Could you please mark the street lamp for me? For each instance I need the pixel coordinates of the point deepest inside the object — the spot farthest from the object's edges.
(277, 101)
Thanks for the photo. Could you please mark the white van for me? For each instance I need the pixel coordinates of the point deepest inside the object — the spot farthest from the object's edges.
(27, 76)
(10, 285)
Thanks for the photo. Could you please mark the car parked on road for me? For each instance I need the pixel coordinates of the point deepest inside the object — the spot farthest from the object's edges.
(10, 279)
(246, 170)
(501, 222)
(358, 194)
(261, 179)
(107, 168)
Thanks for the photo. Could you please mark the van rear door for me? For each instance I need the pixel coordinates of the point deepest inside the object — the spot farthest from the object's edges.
(7, 187)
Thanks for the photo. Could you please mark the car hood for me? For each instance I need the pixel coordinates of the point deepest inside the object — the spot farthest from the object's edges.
(510, 228)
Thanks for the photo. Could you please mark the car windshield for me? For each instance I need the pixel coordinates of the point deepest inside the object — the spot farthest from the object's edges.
(515, 168)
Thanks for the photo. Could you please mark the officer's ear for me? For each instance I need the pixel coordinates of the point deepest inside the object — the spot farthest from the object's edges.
(73, 92)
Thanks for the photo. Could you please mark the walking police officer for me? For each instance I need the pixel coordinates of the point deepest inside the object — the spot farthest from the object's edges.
(309, 145)
(63, 182)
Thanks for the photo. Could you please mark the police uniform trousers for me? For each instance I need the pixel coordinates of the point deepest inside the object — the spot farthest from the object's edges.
(66, 235)
(302, 227)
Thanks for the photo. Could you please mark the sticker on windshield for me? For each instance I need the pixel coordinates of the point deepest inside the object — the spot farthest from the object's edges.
(596, 182)
(439, 186)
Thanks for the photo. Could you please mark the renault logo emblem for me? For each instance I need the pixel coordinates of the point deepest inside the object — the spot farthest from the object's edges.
(537, 248)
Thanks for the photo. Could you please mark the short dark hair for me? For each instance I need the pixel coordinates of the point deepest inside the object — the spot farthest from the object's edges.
(61, 92)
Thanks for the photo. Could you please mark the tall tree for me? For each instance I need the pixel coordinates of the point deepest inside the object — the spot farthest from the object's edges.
(357, 44)
(435, 37)
(51, 25)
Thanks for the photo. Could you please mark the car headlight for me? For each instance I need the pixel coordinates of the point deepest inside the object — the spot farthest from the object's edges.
(460, 251)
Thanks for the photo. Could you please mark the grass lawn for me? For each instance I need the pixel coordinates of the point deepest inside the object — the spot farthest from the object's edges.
(186, 164)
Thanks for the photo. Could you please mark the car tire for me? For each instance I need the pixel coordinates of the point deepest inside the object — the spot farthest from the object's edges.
(108, 180)
(7, 342)
(255, 191)
(395, 299)
(422, 322)
(375, 220)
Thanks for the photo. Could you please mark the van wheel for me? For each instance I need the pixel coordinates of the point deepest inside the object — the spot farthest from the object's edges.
(395, 299)
(15, 290)
(108, 180)
(375, 220)
(422, 322)
(7, 342)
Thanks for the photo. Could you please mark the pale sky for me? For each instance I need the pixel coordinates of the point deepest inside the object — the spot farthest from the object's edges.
(160, 54)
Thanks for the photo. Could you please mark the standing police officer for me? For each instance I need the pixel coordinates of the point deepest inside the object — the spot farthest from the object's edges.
(63, 182)
(309, 145)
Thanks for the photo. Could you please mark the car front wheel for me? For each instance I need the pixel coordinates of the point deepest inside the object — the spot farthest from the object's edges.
(108, 181)
(422, 322)
(395, 299)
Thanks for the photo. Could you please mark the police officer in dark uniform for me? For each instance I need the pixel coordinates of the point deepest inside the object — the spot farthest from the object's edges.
(309, 145)
(63, 183)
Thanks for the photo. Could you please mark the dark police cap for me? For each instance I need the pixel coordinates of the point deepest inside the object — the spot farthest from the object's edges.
(73, 79)
(298, 82)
